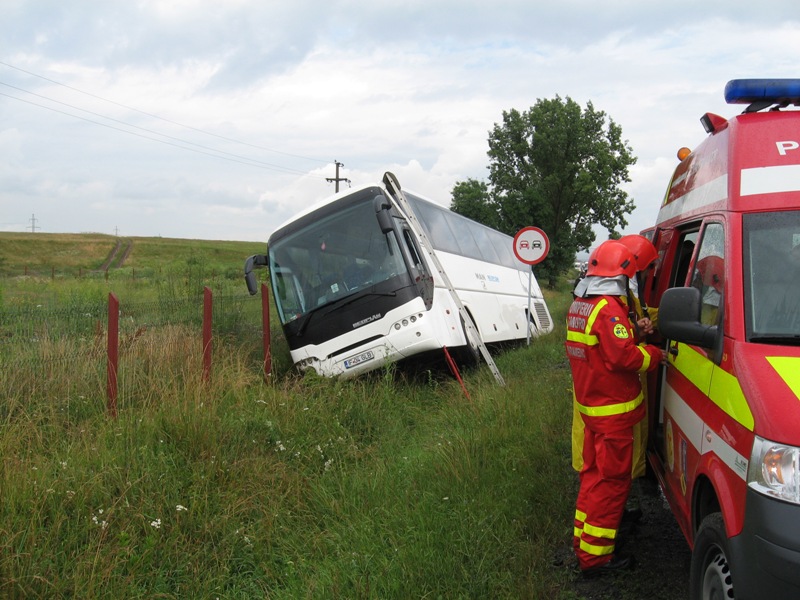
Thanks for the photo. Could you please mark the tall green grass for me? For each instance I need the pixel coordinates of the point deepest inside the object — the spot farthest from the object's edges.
(388, 486)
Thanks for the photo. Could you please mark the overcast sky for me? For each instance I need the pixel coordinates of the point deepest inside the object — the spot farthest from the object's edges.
(220, 120)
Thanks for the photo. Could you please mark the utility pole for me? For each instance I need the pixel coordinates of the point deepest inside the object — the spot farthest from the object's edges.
(33, 223)
(337, 179)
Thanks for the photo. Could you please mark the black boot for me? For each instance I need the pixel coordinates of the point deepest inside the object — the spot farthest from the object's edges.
(617, 563)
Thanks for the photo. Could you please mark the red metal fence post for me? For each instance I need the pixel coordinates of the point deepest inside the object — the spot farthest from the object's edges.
(207, 317)
(266, 332)
(113, 354)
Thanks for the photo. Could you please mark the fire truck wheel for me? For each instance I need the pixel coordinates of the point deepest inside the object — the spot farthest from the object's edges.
(710, 577)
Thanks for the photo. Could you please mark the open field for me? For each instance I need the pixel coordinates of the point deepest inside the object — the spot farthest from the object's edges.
(53, 269)
(394, 485)
(69, 253)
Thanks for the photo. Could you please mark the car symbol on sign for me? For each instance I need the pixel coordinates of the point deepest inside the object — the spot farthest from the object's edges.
(524, 244)
(537, 244)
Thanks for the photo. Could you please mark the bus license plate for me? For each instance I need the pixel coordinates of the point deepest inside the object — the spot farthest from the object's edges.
(358, 359)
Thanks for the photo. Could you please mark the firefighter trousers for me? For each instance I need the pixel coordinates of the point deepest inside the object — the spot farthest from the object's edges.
(639, 468)
(605, 482)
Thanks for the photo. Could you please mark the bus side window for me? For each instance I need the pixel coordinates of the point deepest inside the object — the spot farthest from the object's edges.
(413, 252)
(422, 277)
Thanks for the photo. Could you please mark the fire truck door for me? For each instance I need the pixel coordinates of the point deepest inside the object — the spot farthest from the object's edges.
(688, 376)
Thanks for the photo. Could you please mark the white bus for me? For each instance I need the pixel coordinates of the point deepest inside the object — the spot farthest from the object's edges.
(354, 287)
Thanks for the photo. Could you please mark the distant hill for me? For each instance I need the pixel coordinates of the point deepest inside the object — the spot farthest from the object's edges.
(22, 253)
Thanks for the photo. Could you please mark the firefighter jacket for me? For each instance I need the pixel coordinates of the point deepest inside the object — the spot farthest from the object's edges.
(606, 361)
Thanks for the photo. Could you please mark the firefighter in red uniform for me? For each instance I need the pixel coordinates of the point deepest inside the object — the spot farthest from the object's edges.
(606, 360)
(646, 319)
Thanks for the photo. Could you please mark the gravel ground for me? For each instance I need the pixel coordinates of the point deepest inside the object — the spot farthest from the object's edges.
(660, 552)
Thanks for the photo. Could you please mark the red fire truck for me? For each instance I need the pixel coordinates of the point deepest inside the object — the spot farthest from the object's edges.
(724, 413)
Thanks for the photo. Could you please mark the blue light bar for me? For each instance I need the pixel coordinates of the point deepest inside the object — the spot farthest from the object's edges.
(766, 91)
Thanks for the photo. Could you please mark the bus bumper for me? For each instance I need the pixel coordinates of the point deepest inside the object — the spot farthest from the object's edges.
(766, 555)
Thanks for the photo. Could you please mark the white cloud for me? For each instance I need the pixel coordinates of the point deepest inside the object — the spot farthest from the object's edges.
(279, 91)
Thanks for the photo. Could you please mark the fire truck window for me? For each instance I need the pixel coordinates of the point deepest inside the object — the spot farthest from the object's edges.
(709, 272)
(684, 258)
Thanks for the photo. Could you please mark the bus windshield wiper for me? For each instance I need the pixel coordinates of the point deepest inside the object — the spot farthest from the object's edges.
(305, 320)
(331, 306)
(350, 299)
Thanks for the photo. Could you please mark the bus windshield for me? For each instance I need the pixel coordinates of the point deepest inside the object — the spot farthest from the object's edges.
(772, 276)
(332, 257)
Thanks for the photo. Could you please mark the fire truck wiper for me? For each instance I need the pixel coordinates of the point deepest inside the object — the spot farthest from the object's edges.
(786, 339)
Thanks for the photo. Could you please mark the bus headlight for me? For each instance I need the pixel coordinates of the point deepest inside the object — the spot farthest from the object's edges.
(774, 470)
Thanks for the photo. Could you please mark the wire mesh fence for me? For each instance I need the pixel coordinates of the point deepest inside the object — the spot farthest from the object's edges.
(52, 351)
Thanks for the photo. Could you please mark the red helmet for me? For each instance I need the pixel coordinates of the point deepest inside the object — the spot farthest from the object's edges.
(642, 248)
(712, 271)
(611, 258)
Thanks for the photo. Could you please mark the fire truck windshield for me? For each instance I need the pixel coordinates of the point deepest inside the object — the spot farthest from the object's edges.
(772, 276)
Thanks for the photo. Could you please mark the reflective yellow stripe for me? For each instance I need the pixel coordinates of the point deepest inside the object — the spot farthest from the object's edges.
(646, 361)
(593, 316)
(596, 550)
(582, 338)
(723, 390)
(600, 532)
(726, 393)
(580, 516)
(788, 367)
(586, 337)
(611, 409)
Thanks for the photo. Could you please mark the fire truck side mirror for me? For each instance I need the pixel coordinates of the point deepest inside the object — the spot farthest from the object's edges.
(679, 318)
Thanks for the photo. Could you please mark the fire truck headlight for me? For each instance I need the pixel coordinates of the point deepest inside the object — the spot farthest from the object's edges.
(775, 470)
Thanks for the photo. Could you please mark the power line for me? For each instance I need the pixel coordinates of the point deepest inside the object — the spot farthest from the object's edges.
(243, 158)
(206, 150)
(154, 116)
(246, 161)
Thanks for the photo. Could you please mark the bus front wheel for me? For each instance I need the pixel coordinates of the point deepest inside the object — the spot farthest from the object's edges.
(710, 576)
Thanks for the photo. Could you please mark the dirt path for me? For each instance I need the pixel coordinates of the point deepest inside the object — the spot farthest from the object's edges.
(126, 253)
(112, 257)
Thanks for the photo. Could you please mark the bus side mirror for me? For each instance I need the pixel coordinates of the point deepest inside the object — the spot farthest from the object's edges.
(679, 318)
(255, 261)
(382, 207)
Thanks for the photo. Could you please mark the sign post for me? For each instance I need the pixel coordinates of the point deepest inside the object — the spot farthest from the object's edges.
(531, 246)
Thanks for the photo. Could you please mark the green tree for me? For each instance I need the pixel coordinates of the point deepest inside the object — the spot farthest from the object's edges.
(556, 167)
(472, 199)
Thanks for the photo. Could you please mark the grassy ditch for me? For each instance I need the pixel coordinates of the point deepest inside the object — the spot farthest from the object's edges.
(388, 486)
